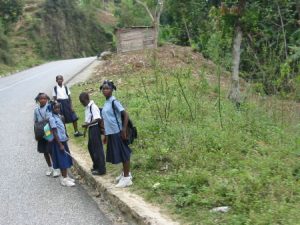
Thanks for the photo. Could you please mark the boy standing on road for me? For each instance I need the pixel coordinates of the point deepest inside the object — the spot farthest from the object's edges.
(61, 94)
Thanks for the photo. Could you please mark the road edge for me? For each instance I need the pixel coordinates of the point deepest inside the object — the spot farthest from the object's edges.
(80, 71)
(133, 206)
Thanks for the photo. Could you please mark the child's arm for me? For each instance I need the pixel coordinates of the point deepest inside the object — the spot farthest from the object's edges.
(54, 132)
(71, 104)
(56, 138)
(124, 114)
(86, 125)
(35, 119)
(54, 94)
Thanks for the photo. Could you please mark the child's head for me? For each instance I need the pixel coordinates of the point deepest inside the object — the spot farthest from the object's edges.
(59, 80)
(42, 99)
(55, 106)
(107, 88)
(84, 98)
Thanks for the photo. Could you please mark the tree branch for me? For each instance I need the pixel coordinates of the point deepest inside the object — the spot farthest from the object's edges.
(159, 9)
(283, 30)
(147, 9)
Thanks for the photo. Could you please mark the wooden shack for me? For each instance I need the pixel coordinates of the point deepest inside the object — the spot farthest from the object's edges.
(135, 38)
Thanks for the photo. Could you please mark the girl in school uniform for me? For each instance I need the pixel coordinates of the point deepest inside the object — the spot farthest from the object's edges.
(118, 150)
(92, 123)
(61, 93)
(60, 151)
(41, 113)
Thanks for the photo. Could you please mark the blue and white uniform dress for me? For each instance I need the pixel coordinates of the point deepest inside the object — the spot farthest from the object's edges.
(64, 99)
(117, 150)
(60, 159)
(40, 114)
(95, 145)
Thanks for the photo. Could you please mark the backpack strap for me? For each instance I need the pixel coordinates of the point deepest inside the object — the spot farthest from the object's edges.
(66, 88)
(113, 107)
(91, 113)
(55, 90)
(41, 114)
(67, 92)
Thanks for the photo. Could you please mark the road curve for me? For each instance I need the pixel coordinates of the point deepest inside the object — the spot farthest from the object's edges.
(27, 196)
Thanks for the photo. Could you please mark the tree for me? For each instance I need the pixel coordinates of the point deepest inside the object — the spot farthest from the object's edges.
(259, 38)
(155, 17)
(234, 93)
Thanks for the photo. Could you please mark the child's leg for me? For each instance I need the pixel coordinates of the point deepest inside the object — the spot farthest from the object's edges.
(96, 149)
(126, 168)
(48, 159)
(75, 126)
(64, 173)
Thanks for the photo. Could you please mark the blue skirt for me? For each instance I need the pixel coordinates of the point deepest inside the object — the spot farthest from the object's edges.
(117, 150)
(60, 159)
(66, 111)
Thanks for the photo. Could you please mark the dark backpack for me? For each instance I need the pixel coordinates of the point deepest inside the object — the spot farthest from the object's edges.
(55, 90)
(39, 128)
(130, 130)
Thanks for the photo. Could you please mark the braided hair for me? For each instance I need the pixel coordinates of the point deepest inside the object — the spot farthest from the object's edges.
(110, 84)
(37, 98)
(53, 104)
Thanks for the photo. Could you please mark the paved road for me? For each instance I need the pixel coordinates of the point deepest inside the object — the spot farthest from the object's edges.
(27, 196)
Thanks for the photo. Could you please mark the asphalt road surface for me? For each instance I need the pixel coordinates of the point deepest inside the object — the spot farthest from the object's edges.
(27, 196)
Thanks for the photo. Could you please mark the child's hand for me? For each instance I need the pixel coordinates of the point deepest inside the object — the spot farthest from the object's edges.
(104, 140)
(61, 147)
(124, 135)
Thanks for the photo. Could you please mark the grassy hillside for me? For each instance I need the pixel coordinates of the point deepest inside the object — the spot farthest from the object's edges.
(21, 51)
(50, 30)
(188, 158)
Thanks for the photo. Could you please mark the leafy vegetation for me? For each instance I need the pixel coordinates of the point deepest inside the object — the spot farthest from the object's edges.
(34, 31)
(270, 35)
(71, 31)
(186, 161)
(10, 11)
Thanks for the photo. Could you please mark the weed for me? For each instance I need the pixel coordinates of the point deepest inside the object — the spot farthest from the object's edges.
(185, 162)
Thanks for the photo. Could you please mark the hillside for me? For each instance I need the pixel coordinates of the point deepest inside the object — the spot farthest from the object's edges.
(195, 150)
(47, 30)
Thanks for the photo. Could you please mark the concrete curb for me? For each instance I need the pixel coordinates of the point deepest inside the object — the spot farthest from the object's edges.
(133, 206)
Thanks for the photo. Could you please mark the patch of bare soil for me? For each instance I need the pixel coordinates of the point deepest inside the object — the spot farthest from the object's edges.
(168, 57)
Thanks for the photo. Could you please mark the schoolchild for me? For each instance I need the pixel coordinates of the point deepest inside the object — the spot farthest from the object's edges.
(118, 150)
(61, 157)
(92, 123)
(61, 93)
(41, 112)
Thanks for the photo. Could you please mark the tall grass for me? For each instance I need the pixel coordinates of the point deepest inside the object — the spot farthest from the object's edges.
(184, 161)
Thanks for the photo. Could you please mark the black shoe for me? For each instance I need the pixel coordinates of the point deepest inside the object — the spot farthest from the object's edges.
(98, 173)
(78, 134)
